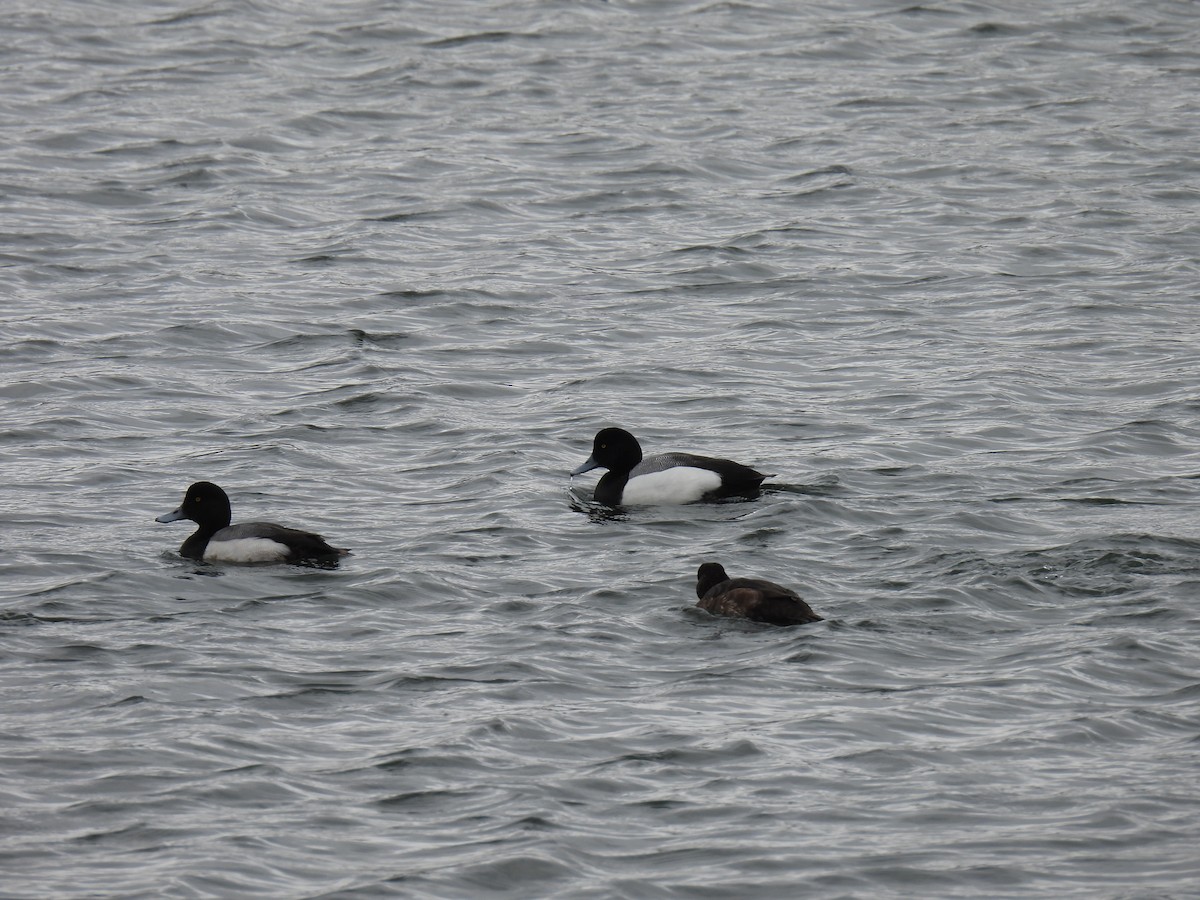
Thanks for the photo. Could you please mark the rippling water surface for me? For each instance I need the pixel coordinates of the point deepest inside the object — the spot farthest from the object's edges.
(382, 269)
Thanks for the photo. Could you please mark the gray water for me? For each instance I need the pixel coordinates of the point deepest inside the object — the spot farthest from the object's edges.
(382, 270)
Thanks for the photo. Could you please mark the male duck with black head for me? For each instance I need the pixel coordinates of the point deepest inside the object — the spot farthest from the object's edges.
(215, 540)
(664, 478)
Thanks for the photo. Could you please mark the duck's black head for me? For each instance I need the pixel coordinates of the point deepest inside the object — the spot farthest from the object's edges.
(614, 449)
(708, 576)
(205, 504)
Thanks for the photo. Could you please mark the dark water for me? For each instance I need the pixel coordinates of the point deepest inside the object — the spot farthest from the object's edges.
(382, 269)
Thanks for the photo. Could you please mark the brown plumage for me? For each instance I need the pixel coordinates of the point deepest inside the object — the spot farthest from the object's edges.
(750, 598)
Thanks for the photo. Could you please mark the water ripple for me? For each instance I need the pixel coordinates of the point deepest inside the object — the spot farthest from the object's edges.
(385, 275)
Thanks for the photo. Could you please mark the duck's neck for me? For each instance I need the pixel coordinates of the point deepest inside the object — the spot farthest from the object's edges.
(194, 546)
(610, 487)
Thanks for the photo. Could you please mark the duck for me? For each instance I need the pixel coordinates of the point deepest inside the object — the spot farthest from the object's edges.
(662, 479)
(216, 540)
(750, 598)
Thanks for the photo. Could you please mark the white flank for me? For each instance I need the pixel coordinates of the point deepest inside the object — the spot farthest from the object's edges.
(678, 484)
(246, 550)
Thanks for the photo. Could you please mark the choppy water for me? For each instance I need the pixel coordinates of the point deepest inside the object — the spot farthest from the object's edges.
(382, 269)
